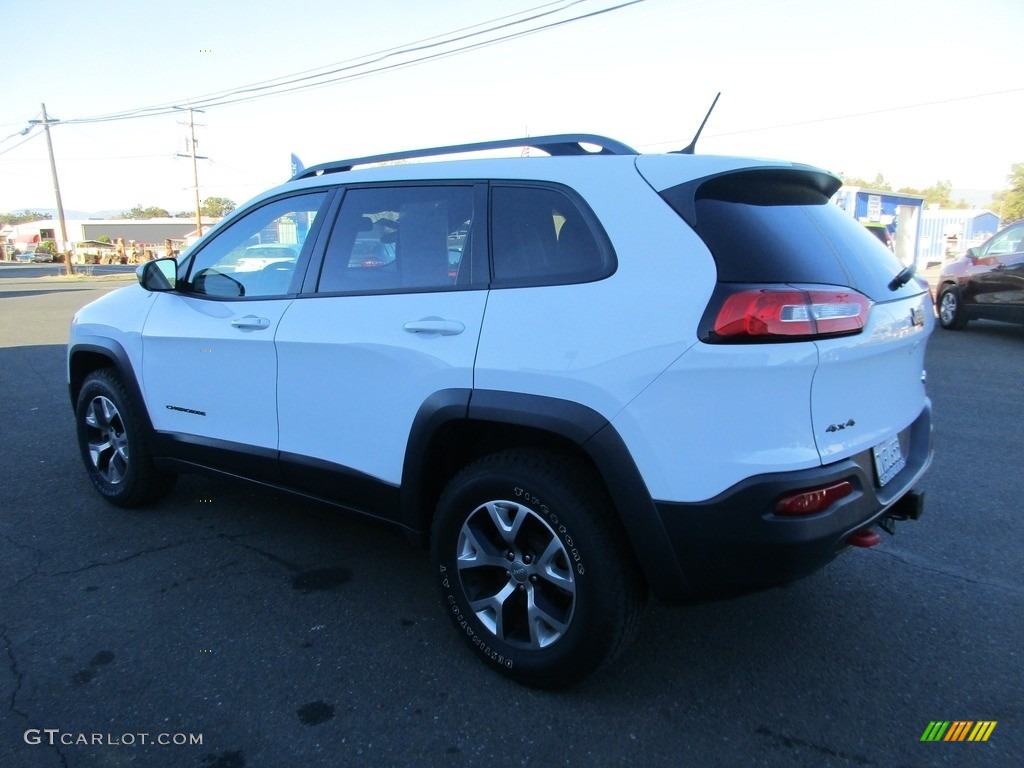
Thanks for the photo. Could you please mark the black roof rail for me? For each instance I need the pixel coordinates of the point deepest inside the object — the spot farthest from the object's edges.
(565, 144)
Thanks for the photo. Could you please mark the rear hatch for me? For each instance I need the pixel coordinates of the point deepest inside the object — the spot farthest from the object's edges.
(793, 268)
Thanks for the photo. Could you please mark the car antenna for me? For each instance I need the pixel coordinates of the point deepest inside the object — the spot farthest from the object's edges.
(688, 149)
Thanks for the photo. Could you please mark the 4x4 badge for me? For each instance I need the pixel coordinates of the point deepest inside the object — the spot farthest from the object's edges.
(837, 427)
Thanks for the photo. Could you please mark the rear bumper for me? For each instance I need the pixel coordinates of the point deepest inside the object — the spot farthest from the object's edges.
(735, 543)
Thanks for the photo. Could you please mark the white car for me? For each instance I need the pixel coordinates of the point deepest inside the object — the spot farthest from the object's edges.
(255, 257)
(672, 374)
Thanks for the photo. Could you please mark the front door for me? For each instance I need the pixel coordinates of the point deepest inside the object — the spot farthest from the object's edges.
(209, 360)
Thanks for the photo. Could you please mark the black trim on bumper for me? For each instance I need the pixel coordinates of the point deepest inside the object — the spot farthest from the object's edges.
(735, 543)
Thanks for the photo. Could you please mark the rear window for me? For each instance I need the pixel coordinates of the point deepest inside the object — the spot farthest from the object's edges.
(771, 228)
(539, 236)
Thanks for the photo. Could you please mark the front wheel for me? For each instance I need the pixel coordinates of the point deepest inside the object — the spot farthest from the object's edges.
(951, 310)
(533, 568)
(112, 440)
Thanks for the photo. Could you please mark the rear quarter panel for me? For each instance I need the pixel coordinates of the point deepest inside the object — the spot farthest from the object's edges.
(601, 343)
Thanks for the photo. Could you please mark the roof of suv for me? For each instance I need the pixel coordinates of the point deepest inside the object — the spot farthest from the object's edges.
(561, 145)
(661, 170)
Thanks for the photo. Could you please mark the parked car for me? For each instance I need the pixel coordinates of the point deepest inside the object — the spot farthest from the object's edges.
(673, 374)
(255, 257)
(880, 231)
(987, 282)
(42, 257)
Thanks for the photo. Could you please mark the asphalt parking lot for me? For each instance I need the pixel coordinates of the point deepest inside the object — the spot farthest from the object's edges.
(231, 627)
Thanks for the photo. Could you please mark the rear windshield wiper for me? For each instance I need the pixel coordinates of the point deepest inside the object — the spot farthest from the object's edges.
(902, 278)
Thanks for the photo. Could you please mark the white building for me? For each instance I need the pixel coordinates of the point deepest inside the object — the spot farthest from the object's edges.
(143, 233)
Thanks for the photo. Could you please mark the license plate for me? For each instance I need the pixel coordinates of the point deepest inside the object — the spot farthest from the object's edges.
(888, 460)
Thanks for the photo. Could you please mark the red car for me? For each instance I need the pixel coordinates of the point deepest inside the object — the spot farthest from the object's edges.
(987, 282)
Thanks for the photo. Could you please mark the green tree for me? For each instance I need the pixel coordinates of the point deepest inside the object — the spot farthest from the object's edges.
(21, 218)
(939, 193)
(1009, 203)
(151, 212)
(217, 207)
(879, 183)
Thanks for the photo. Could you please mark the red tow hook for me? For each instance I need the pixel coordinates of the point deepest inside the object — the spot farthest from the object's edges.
(863, 538)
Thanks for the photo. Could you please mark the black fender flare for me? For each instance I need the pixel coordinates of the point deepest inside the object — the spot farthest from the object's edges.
(570, 421)
(119, 360)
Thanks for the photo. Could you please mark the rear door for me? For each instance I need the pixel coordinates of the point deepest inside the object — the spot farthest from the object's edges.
(394, 320)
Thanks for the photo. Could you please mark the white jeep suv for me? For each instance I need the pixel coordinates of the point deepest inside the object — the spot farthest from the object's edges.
(577, 378)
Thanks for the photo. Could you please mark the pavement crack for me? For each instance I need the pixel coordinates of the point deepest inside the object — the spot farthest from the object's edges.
(121, 560)
(944, 569)
(234, 539)
(792, 741)
(32, 571)
(19, 676)
(12, 663)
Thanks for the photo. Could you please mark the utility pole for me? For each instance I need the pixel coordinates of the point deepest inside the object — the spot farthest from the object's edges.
(56, 190)
(195, 167)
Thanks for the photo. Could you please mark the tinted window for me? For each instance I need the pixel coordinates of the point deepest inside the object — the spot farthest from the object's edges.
(788, 233)
(399, 238)
(256, 254)
(541, 236)
(1009, 241)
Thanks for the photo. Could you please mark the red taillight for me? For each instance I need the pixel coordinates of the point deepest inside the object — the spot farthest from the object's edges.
(813, 500)
(764, 314)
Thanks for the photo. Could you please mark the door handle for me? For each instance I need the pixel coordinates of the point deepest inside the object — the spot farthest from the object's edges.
(435, 325)
(250, 323)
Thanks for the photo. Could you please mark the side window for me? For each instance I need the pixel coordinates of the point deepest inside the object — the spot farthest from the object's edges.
(399, 238)
(541, 236)
(1011, 241)
(256, 255)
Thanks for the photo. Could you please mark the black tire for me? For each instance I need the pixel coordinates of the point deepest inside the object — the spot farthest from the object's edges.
(951, 311)
(113, 440)
(523, 528)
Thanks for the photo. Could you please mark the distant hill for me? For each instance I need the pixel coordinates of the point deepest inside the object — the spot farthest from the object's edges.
(68, 214)
(976, 198)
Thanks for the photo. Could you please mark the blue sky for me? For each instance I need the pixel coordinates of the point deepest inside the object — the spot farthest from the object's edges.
(919, 91)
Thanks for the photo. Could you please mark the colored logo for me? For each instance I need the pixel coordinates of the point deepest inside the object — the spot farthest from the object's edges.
(958, 730)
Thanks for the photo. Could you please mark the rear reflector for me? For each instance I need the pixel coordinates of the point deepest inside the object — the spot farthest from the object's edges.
(813, 500)
(783, 313)
(863, 538)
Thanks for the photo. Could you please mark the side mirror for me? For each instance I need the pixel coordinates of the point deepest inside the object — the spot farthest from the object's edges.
(160, 275)
(972, 254)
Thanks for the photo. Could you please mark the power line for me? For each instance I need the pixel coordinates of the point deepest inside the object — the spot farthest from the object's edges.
(349, 71)
(150, 111)
(848, 116)
(15, 146)
(377, 56)
(882, 111)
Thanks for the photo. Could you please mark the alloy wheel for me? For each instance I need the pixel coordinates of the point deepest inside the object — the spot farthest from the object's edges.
(516, 574)
(107, 440)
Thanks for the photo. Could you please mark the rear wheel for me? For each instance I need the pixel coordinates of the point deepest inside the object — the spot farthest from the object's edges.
(533, 568)
(951, 311)
(113, 441)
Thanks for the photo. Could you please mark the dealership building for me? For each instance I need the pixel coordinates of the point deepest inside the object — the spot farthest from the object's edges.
(135, 232)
